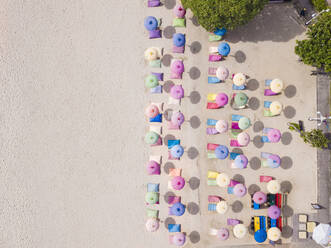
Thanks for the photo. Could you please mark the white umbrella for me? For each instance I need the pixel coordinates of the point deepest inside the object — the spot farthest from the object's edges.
(239, 79)
(276, 108)
(152, 224)
(276, 85)
(222, 180)
(222, 207)
(221, 126)
(151, 54)
(274, 234)
(239, 231)
(222, 73)
(273, 186)
(243, 139)
(321, 234)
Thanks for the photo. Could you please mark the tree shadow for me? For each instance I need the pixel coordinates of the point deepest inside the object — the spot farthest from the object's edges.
(195, 122)
(195, 21)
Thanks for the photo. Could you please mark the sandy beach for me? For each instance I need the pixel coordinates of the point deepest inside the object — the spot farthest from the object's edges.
(72, 123)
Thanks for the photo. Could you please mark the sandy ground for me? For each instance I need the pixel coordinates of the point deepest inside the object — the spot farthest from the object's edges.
(71, 122)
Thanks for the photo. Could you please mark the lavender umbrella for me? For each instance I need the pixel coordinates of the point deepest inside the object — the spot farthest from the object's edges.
(150, 23)
(221, 99)
(177, 66)
(274, 212)
(177, 91)
(153, 168)
(178, 40)
(177, 118)
(274, 135)
(179, 11)
(178, 183)
(221, 152)
(177, 209)
(179, 239)
(177, 151)
(259, 197)
(243, 139)
(239, 190)
(241, 161)
(223, 234)
(152, 225)
(273, 161)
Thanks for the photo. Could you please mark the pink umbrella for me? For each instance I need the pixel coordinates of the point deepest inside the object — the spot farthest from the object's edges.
(153, 168)
(152, 111)
(177, 118)
(274, 212)
(221, 99)
(259, 197)
(152, 225)
(177, 66)
(179, 239)
(274, 135)
(178, 183)
(239, 190)
(177, 91)
(179, 11)
(243, 139)
(223, 234)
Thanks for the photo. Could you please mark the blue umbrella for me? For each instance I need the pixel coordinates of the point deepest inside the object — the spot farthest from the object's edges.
(221, 152)
(150, 23)
(178, 40)
(177, 151)
(220, 31)
(223, 49)
(260, 236)
(177, 209)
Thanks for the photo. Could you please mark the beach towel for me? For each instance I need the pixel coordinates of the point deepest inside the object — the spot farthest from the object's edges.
(212, 105)
(232, 222)
(157, 118)
(230, 190)
(233, 155)
(172, 143)
(175, 75)
(211, 182)
(211, 122)
(214, 37)
(212, 70)
(211, 131)
(156, 90)
(268, 91)
(172, 126)
(265, 179)
(214, 198)
(154, 34)
(152, 213)
(153, 3)
(175, 172)
(153, 187)
(173, 101)
(214, 57)
(211, 207)
(179, 22)
(178, 49)
(213, 80)
(155, 63)
(157, 159)
(234, 143)
(235, 87)
(158, 75)
(172, 199)
(174, 227)
(212, 174)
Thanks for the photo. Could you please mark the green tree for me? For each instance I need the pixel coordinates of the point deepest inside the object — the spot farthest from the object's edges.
(316, 50)
(319, 4)
(213, 14)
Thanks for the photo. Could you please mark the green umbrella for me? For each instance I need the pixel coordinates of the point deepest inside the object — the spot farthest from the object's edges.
(152, 197)
(244, 123)
(151, 81)
(151, 138)
(240, 99)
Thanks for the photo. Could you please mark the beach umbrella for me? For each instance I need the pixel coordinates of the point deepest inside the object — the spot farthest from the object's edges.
(150, 23)
(240, 99)
(177, 91)
(260, 235)
(153, 167)
(221, 99)
(276, 108)
(152, 225)
(177, 209)
(177, 151)
(239, 190)
(244, 123)
(276, 85)
(178, 183)
(241, 161)
(223, 49)
(274, 233)
(222, 180)
(239, 231)
(243, 139)
(151, 81)
(179, 239)
(177, 118)
(222, 73)
(178, 40)
(177, 66)
(152, 111)
(179, 11)
(274, 135)
(223, 234)
(151, 54)
(221, 152)
(221, 207)
(221, 126)
(321, 234)
(151, 137)
(220, 31)
(151, 197)
(273, 186)
(259, 197)
(239, 79)
(273, 161)
(274, 212)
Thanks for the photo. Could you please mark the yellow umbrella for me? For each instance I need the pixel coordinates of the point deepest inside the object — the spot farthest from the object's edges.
(273, 186)
(274, 234)
(151, 54)
(276, 85)
(239, 231)
(276, 108)
(239, 79)
(222, 180)
(222, 207)
(212, 174)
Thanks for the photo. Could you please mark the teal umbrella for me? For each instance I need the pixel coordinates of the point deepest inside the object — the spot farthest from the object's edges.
(151, 138)
(240, 99)
(244, 123)
(151, 81)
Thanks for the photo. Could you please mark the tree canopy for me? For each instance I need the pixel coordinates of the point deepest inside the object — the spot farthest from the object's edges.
(316, 50)
(213, 14)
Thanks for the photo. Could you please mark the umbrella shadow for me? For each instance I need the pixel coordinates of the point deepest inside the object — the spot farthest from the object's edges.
(253, 188)
(194, 73)
(194, 237)
(167, 114)
(193, 208)
(286, 163)
(286, 187)
(195, 97)
(168, 221)
(237, 150)
(289, 112)
(168, 166)
(240, 56)
(167, 195)
(287, 231)
(195, 21)
(192, 153)
(258, 126)
(237, 206)
(168, 85)
(195, 122)
(253, 84)
(239, 178)
(255, 163)
(257, 141)
(194, 183)
(290, 91)
(166, 60)
(167, 138)
(286, 138)
(195, 47)
(169, 4)
(168, 32)
(253, 103)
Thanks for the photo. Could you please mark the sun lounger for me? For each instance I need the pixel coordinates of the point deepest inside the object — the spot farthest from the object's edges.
(174, 227)
(213, 80)
(215, 57)
(214, 37)
(154, 34)
(178, 49)
(214, 198)
(153, 3)
(179, 22)
(232, 222)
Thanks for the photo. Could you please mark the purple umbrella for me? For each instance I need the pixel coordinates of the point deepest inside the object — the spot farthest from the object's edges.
(241, 161)
(179, 239)
(221, 152)
(273, 161)
(153, 168)
(178, 183)
(274, 135)
(221, 99)
(239, 190)
(179, 11)
(259, 197)
(223, 234)
(177, 91)
(177, 118)
(274, 212)
(177, 66)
